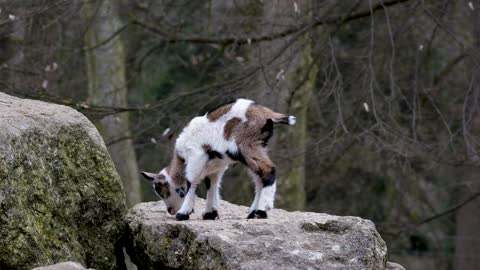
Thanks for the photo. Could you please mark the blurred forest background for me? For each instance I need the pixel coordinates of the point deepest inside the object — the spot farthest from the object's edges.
(386, 93)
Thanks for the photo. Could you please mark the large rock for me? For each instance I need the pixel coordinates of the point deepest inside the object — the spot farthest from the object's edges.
(287, 240)
(60, 196)
(63, 266)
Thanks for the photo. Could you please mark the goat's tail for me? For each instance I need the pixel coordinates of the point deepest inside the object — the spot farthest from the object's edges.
(281, 118)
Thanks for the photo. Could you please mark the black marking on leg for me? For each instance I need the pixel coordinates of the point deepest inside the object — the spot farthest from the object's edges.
(268, 179)
(257, 214)
(214, 154)
(237, 156)
(188, 185)
(180, 216)
(211, 215)
(208, 182)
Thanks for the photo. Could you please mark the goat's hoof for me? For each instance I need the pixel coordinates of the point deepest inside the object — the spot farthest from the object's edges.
(257, 214)
(210, 215)
(180, 216)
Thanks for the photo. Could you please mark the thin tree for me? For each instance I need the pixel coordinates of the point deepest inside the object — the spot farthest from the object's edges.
(107, 87)
(467, 241)
(285, 82)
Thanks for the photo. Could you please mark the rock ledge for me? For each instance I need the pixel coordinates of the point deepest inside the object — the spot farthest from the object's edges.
(287, 240)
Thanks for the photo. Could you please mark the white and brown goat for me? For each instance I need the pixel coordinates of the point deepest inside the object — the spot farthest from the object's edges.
(234, 132)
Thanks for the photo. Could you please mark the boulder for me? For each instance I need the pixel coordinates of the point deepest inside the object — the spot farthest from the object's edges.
(286, 240)
(394, 266)
(61, 198)
(63, 266)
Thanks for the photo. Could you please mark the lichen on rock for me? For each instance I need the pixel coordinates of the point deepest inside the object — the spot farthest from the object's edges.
(63, 266)
(287, 240)
(60, 195)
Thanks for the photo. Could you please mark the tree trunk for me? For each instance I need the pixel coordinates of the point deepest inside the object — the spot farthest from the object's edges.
(283, 79)
(467, 241)
(107, 87)
(285, 84)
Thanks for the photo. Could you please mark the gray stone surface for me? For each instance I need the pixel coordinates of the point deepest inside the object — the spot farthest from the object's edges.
(64, 266)
(60, 196)
(394, 266)
(287, 240)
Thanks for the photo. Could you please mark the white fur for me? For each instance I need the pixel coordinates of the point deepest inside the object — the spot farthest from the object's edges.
(195, 172)
(189, 145)
(292, 120)
(189, 202)
(201, 131)
(164, 173)
(239, 109)
(267, 197)
(258, 190)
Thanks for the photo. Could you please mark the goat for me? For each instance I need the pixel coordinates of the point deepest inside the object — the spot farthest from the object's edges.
(234, 132)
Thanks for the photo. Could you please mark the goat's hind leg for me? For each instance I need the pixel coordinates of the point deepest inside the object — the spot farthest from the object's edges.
(264, 198)
(263, 171)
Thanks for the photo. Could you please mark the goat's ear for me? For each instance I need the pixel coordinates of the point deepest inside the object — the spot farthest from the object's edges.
(149, 176)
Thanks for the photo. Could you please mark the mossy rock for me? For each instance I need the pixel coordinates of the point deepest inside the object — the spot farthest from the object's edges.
(61, 198)
(286, 240)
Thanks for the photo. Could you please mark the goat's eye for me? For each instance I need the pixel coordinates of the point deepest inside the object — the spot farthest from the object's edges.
(180, 192)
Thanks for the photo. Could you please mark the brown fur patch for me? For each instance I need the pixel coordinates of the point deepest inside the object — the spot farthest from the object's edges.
(162, 190)
(258, 112)
(257, 159)
(217, 113)
(250, 133)
(230, 126)
(250, 137)
(176, 170)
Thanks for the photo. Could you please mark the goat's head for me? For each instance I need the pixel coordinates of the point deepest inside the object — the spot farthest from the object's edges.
(171, 194)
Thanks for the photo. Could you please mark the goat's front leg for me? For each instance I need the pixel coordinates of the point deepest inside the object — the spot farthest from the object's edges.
(258, 190)
(213, 195)
(193, 171)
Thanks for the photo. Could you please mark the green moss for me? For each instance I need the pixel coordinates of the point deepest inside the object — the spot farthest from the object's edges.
(164, 245)
(62, 201)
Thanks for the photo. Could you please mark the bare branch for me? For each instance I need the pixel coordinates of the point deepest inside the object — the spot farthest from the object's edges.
(174, 37)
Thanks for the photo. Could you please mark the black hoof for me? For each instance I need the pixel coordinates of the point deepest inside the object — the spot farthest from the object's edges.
(181, 216)
(257, 214)
(210, 215)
